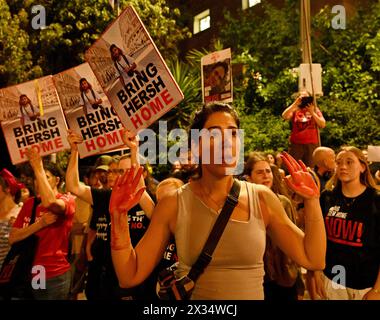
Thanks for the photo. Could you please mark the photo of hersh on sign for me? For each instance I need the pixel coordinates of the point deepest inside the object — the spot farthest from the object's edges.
(217, 76)
(132, 72)
(88, 111)
(31, 117)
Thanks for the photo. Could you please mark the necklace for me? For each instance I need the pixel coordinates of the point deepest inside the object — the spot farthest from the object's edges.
(208, 196)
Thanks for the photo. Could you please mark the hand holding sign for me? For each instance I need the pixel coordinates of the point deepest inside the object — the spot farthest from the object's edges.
(74, 138)
(130, 140)
(35, 160)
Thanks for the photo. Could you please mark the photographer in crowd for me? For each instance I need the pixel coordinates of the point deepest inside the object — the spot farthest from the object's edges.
(306, 118)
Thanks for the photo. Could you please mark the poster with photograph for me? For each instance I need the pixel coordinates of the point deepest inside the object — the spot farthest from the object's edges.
(31, 117)
(217, 76)
(88, 111)
(132, 72)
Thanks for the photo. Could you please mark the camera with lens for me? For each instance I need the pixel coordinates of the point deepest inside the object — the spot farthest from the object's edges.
(305, 101)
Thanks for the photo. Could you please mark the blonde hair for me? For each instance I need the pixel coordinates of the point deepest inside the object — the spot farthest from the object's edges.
(365, 177)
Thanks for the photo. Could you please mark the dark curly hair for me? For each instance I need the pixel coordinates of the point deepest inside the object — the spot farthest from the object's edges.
(204, 113)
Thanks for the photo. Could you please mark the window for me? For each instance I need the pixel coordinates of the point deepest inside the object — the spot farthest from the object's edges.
(202, 21)
(249, 3)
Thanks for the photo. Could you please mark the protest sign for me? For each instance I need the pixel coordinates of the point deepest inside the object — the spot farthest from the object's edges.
(31, 117)
(132, 72)
(88, 111)
(217, 76)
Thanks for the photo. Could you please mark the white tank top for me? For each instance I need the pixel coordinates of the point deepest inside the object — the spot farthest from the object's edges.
(236, 270)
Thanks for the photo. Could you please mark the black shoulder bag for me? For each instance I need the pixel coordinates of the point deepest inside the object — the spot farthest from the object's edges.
(170, 288)
(16, 271)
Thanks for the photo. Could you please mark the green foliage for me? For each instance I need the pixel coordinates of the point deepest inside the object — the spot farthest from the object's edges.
(268, 47)
(271, 39)
(350, 57)
(263, 132)
(188, 79)
(348, 123)
(62, 159)
(15, 59)
(72, 26)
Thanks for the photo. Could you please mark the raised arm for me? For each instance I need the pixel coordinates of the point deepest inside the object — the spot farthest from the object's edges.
(47, 194)
(147, 204)
(134, 265)
(317, 116)
(307, 249)
(131, 141)
(73, 184)
(289, 111)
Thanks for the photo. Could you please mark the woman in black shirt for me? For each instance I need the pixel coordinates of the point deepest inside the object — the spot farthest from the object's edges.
(351, 210)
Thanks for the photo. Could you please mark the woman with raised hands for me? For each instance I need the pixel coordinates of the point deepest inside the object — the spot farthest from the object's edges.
(236, 270)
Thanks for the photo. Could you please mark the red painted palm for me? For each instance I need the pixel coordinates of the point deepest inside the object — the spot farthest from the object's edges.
(300, 180)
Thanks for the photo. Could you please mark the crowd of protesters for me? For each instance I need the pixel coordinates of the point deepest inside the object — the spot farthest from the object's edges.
(107, 234)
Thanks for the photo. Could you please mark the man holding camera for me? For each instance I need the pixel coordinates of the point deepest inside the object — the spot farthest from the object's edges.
(306, 119)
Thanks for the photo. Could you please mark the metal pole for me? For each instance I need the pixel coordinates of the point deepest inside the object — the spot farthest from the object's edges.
(306, 47)
(305, 26)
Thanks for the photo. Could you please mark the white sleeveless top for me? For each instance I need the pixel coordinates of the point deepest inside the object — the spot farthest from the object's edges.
(236, 270)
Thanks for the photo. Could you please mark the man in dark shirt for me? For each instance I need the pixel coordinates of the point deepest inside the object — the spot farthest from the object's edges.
(104, 283)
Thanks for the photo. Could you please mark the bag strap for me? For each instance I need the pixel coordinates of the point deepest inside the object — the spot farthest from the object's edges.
(220, 224)
(36, 202)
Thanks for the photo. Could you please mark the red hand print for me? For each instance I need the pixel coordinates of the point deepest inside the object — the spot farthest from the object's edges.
(300, 180)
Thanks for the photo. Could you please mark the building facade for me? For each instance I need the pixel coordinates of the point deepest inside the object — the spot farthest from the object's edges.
(205, 18)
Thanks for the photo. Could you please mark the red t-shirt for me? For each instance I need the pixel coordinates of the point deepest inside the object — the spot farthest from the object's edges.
(304, 128)
(54, 239)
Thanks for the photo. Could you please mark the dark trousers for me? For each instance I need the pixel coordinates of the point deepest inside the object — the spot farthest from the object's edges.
(101, 283)
(303, 152)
